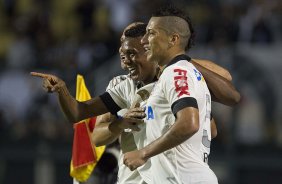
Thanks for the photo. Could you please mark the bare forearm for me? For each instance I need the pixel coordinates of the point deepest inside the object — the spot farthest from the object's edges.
(223, 91)
(76, 111)
(169, 140)
(69, 105)
(214, 68)
(105, 133)
(108, 127)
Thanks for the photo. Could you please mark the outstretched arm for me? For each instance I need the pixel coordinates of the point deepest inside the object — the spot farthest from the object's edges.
(221, 89)
(74, 110)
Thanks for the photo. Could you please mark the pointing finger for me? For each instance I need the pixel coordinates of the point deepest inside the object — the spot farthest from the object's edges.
(42, 75)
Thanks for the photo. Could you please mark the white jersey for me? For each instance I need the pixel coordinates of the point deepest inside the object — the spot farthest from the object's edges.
(126, 95)
(115, 81)
(180, 85)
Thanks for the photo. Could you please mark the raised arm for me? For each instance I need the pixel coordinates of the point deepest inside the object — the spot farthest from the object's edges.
(74, 110)
(222, 90)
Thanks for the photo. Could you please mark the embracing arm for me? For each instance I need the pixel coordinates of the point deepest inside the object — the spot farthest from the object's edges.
(214, 68)
(221, 89)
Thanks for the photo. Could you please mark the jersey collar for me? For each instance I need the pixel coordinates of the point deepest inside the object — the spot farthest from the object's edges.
(140, 84)
(178, 58)
(174, 60)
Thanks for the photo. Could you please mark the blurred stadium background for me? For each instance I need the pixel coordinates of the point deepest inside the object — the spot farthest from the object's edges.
(66, 37)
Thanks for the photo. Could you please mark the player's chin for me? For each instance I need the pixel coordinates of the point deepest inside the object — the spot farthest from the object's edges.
(150, 58)
(134, 77)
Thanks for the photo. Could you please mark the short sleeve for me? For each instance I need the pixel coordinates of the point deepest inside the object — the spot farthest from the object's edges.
(120, 94)
(179, 87)
(115, 81)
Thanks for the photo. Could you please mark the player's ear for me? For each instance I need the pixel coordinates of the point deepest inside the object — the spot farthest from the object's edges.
(173, 39)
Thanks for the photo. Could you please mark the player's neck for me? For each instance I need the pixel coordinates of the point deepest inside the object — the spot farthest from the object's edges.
(170, 56)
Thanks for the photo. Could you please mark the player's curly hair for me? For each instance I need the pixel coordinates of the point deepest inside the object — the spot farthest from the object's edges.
(136, 30)
(171, 10)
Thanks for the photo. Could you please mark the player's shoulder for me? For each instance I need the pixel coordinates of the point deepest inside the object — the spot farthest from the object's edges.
(179, 70)
(117, 80)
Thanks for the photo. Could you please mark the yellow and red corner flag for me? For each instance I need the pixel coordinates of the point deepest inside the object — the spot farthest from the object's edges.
(84, 154)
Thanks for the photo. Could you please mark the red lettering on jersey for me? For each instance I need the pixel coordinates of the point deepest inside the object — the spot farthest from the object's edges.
(180, 82)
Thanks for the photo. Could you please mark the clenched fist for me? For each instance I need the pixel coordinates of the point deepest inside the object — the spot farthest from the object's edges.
(134, 159)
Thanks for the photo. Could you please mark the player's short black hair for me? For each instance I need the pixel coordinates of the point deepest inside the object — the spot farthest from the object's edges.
(136, 31)
(171, 10)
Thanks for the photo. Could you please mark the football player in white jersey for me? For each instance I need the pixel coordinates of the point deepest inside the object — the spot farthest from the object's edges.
(105, 131)
(74, 109)
(178, 109)
(125, 90)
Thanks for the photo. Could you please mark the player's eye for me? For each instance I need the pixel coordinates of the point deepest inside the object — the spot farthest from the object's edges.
(150, 32)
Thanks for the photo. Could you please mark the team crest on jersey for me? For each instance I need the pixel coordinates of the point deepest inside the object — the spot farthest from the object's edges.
(180, 82)
(199, 76)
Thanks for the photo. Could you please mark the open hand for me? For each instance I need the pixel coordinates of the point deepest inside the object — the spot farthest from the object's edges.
(132, 118)
(138, 112)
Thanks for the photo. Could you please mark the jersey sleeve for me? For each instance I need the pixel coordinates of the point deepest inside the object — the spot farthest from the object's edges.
(179, 87)
(115, 97)
(115, 81)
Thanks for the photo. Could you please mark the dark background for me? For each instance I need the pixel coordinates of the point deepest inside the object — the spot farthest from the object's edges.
(67, 37)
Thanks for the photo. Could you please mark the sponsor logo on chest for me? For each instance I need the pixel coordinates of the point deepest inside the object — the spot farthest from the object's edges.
(180, 82)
